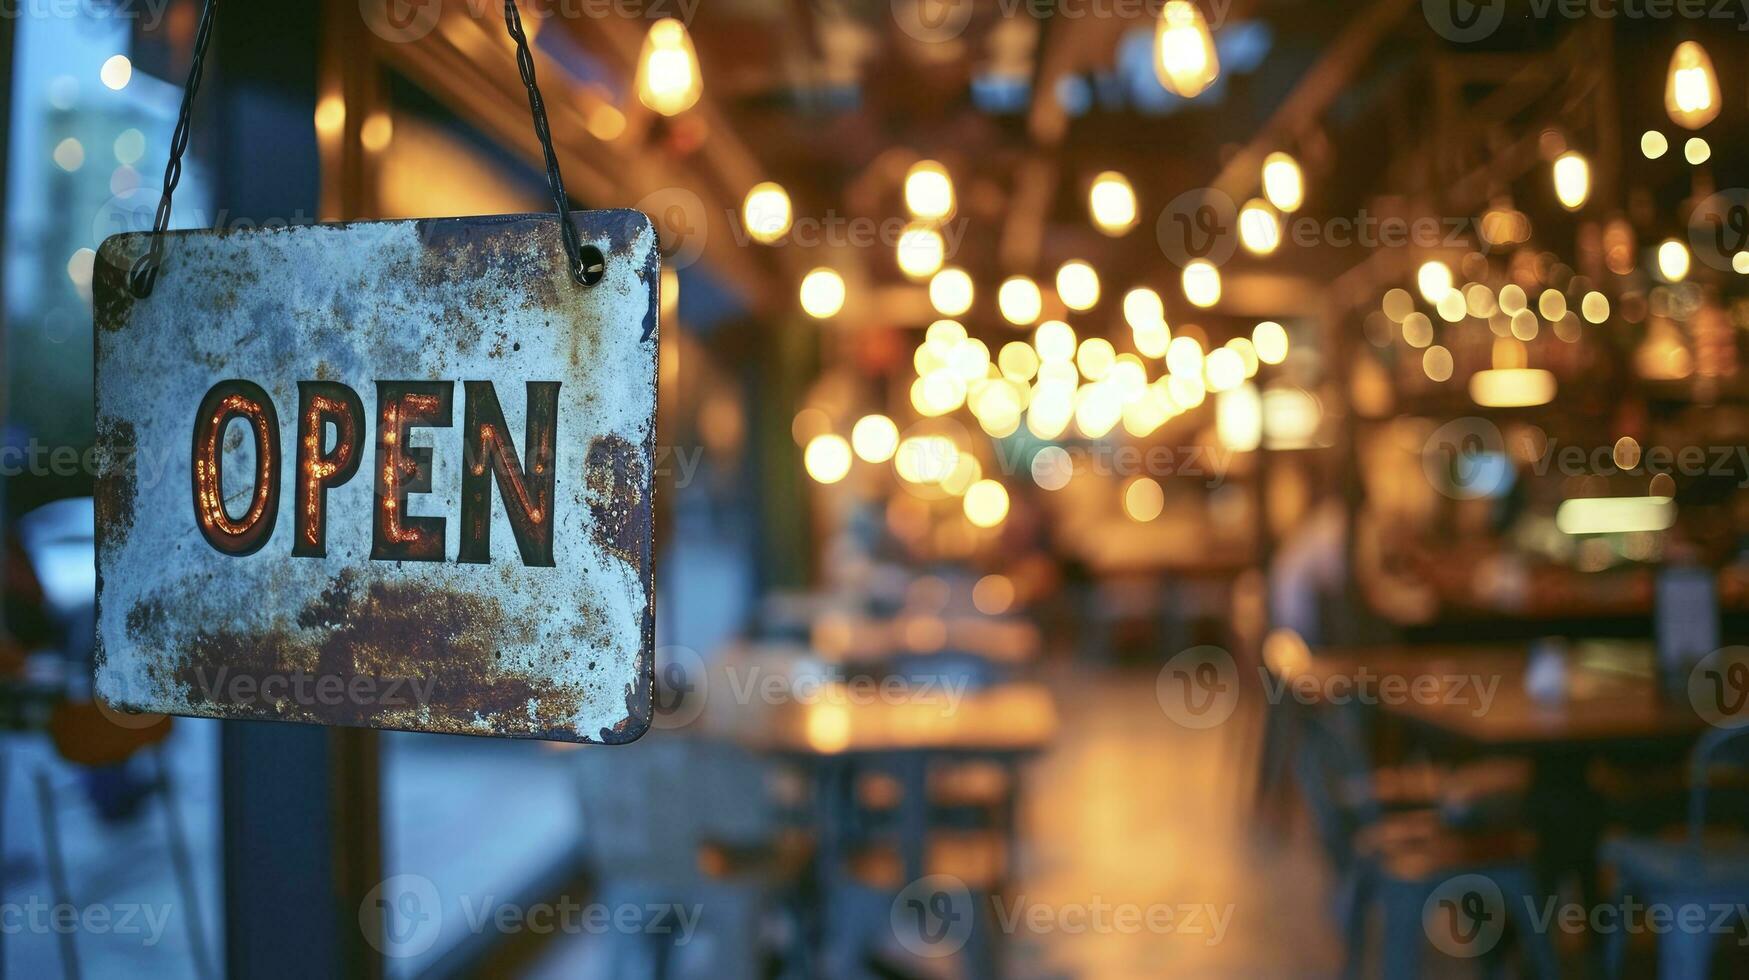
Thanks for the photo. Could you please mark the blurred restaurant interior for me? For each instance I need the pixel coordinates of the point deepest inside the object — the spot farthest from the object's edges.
(1144, 488)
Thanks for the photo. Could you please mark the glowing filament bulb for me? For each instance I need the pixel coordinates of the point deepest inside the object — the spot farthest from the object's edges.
(668, 78)
(1572, 180)
(1113, 203)
(1184, 50)
(1691, 92)
(1283, 183)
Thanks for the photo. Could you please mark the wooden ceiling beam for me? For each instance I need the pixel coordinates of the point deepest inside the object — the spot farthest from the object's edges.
(1313, 95)
(471, 67)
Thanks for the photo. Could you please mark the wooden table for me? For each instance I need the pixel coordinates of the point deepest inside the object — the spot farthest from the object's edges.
(851, 637)
(832, 728)
(1612, 699)
(1613, 707)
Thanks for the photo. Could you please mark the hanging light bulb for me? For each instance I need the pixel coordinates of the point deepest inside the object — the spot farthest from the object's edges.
(1113, 203)
(1077, 285)
(1143, 308)
(1259, 228)
(1572, 180)
(1146, 315)
(1283, 183)
(1202, 283)
(1691, 92)
(827, 458)
(929, 191)
(950, 291)
(1019, 300)
(986, 503)
(822, 293)
(1184, 50)
(766, 212)
(1673, 260)
(920, 251)
(1270, 340)
(668, 78)
(1433, 280)
(874, 437)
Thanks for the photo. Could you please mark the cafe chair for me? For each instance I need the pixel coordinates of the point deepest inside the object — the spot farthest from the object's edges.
(1472, 795)
(1701, 868)
(686, 821)
(1397, 859)
(977, 859)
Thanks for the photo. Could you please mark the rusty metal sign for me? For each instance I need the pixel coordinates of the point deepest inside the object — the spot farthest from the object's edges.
(392, 474)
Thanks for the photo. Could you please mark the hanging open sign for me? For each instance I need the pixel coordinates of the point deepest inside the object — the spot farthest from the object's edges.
(394, 474)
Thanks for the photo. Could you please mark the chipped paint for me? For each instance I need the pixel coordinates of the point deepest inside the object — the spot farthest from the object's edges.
(494, 648)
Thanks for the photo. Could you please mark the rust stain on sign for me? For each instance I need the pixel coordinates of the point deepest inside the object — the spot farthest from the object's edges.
(389, 474)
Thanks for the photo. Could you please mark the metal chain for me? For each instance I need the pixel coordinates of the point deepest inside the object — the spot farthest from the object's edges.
(144, 274)
(586, 269)
(585, 262)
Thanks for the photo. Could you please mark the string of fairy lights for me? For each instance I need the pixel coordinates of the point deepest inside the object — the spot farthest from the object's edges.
(1545, 296)
(1055, 383)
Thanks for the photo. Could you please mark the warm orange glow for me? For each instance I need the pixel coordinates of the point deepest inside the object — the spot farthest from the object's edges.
(208, 472)
(668, 78)
(993, 595)
(1691, 91)
(1184, 50)
(316, 469)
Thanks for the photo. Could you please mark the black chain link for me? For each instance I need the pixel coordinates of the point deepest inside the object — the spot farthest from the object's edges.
(584, 261)
(144, 274)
